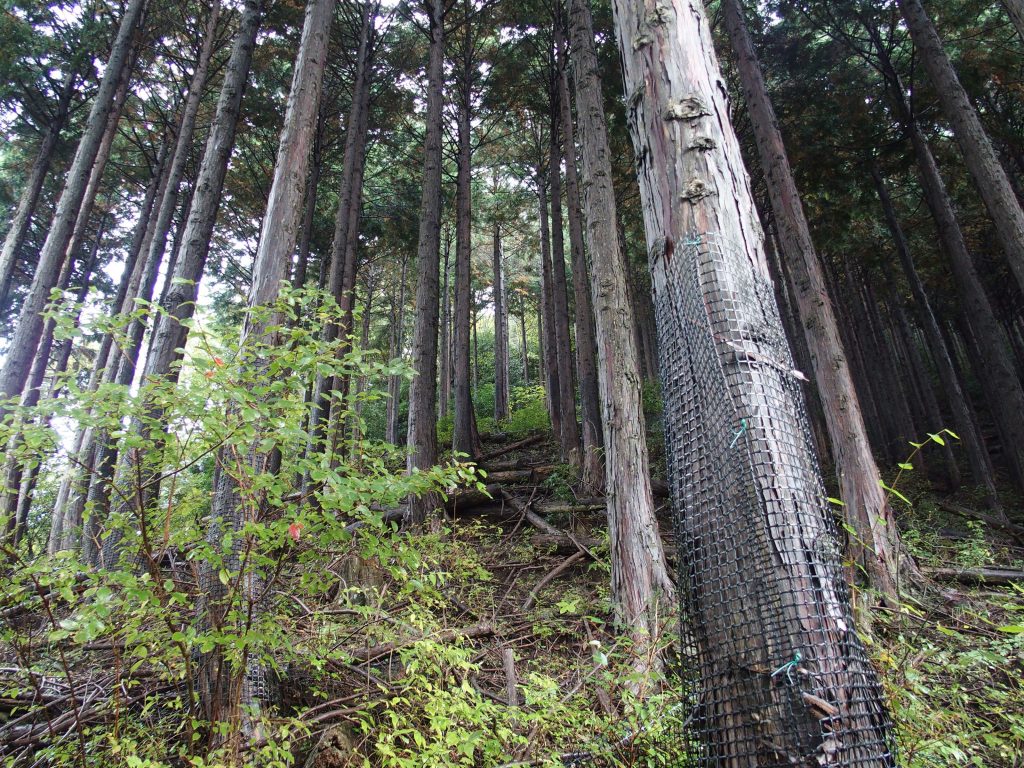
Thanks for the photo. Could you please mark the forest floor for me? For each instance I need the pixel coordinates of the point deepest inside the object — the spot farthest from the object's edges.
(490, 641)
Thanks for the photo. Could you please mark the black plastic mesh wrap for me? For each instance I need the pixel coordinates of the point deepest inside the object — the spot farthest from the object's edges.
(776, 673)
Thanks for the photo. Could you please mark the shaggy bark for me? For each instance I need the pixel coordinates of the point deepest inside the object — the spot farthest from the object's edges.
(641, 587)
(569, 430)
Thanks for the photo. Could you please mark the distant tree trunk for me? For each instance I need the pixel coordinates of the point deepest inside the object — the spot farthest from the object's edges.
(397, 351)
(998, 378)
(524, 348)
(445, 385)
(1015, 8)
(641, 586)
(592, 463)
(757, 544)
(29, 328)
(422, 427)
(123, 358)
(29, 199)
(344, 246)
(229, 694)
(569, 433)
(875, 547)
(16, 524)
(982, 162)
(500, 331)
(977, 455)
(182, 289)
(465, 439)
(546, 310)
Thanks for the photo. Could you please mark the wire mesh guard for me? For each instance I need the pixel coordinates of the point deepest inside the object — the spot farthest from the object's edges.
(773, 667)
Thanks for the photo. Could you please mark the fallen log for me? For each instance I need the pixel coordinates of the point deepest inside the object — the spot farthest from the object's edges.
(469, 498)
(976, 575)
(532, 475)
(505, 449)
(1017, 531)
(538, 522)
(580, 507)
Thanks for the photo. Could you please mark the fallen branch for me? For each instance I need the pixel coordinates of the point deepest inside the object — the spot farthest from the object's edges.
(541, 524)
(551, 576)
(976, 575)
(374, 652)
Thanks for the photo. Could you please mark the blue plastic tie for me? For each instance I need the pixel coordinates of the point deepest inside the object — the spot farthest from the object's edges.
(789, 666)
(738, 435)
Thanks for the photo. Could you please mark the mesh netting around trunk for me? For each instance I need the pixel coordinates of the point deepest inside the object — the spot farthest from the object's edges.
(775, 672)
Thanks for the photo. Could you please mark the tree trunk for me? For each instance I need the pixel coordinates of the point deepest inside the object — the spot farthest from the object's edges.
(29, 199)
(592, 465)
(398, 351)
(500, 330)
(229, 513)
(344, 245)
(179, 298)
(1015, 8)
(641, 587)
(569, 433)
(465, 439)
(301, 267)
(422, 427)
(444, 395)
(524, 348)
(875, 545)
(549, 347)
(29, 328)
(757, 541)
(999, 377)
(977, 455)
(982, 162)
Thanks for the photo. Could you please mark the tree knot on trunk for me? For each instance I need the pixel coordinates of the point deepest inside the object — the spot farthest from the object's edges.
(695, 189)
(702, 143)
(661, 13)
(689, 107)
(641, 41)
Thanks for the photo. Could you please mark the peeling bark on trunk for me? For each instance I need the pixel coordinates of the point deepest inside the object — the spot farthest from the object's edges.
(464, 435)
(237, 696)
(569, 430)
(641, 587)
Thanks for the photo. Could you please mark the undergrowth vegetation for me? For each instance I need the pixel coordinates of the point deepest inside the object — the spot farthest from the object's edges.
(455, 647)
